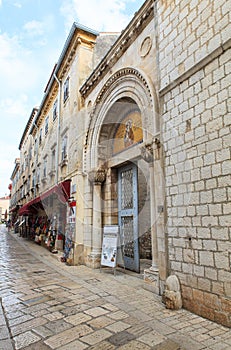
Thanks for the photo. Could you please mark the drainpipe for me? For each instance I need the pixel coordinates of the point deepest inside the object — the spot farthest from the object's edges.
(58, 130)
(37, 144)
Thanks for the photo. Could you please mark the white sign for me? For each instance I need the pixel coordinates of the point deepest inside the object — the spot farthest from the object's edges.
(109, 246)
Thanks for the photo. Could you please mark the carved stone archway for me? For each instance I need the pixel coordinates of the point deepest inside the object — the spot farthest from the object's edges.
(127, 89)
(127, 84)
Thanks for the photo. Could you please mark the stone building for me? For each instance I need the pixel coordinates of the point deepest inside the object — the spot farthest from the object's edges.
(15, 192)
(148, 142)
(44, 180)
(4, 208)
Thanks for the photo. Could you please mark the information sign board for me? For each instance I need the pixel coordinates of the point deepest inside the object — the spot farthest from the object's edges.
(109, 246)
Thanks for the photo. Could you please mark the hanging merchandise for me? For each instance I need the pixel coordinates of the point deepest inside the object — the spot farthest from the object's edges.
(70, 234)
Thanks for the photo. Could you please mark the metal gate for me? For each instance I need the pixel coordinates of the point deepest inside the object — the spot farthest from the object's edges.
(128, 216)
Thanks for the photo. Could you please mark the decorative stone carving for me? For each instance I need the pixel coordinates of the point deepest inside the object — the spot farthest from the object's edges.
(145, 46)
(147, 152)
(120, 74)
(150, 151)
(97, 176)
(127, 37)
(172, 295)
(127, 76)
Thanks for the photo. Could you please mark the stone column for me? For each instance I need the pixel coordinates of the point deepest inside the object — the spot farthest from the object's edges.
(154, 266)
(150, 153)
(97, 177)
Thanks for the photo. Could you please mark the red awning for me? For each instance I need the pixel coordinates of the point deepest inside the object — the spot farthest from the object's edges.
(62, 190)
(25, 210)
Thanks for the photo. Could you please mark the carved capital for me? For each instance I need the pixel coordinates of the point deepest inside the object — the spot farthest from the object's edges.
(147, 152)
(97, 176)
(150, 151)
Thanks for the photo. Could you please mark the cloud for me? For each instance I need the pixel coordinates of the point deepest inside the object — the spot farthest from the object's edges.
(101, 15)
(21, 75)
(34, 28)
(17, 4)
(14, 61)
(12, 107)
(14, 116)
(21, 69)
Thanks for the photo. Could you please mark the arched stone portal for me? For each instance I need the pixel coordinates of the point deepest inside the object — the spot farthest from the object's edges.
(122, 144)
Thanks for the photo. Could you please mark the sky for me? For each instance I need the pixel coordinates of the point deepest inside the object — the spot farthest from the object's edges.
(32, 36)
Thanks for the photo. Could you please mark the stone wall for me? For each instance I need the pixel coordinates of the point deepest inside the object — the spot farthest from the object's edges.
(195, 87)
(189, 31)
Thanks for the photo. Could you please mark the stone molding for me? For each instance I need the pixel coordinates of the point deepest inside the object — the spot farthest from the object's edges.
(127, 37)
(125, 74)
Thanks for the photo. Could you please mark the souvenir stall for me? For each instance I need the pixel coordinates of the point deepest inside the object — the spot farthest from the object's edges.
(68, 255)
(44, 218)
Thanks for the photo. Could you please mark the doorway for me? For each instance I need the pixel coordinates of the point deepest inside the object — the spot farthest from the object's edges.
(128, 216)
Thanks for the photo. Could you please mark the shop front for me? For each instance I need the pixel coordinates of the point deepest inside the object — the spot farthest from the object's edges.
(43, 219)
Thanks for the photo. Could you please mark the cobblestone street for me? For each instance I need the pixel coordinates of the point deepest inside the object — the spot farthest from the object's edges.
(46, 304)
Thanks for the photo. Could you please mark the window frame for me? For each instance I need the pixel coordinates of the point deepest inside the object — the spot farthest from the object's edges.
(64, 148)
(55, 110)
(40, 136)
(66, 89)
(46, 129)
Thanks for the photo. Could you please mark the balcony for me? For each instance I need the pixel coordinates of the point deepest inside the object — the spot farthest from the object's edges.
(64, 162)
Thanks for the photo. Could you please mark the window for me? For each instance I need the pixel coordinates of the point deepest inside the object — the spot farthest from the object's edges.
(30, 154)
(26, 162)
(46, 125)
(33, 180)
(64, 148)
(28, 184)
(35, 147)
(66, 90)
(38, 176)
(40, 135)
(53, 160)
(73, 188)
(55, 110)
(45, 168)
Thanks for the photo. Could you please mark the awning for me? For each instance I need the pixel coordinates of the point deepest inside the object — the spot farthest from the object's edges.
(25, 210)
(62, 190)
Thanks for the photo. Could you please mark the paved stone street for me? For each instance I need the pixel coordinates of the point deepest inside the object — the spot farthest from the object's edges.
(46, 304)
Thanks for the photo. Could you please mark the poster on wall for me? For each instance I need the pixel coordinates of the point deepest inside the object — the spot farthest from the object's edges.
(109, 246)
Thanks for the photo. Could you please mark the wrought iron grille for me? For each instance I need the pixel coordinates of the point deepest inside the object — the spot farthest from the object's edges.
(127, 236)
(127, 189)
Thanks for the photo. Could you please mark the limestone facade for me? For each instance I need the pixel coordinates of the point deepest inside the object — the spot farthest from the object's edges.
(194, 53)
(177, 71)
(145, 137)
